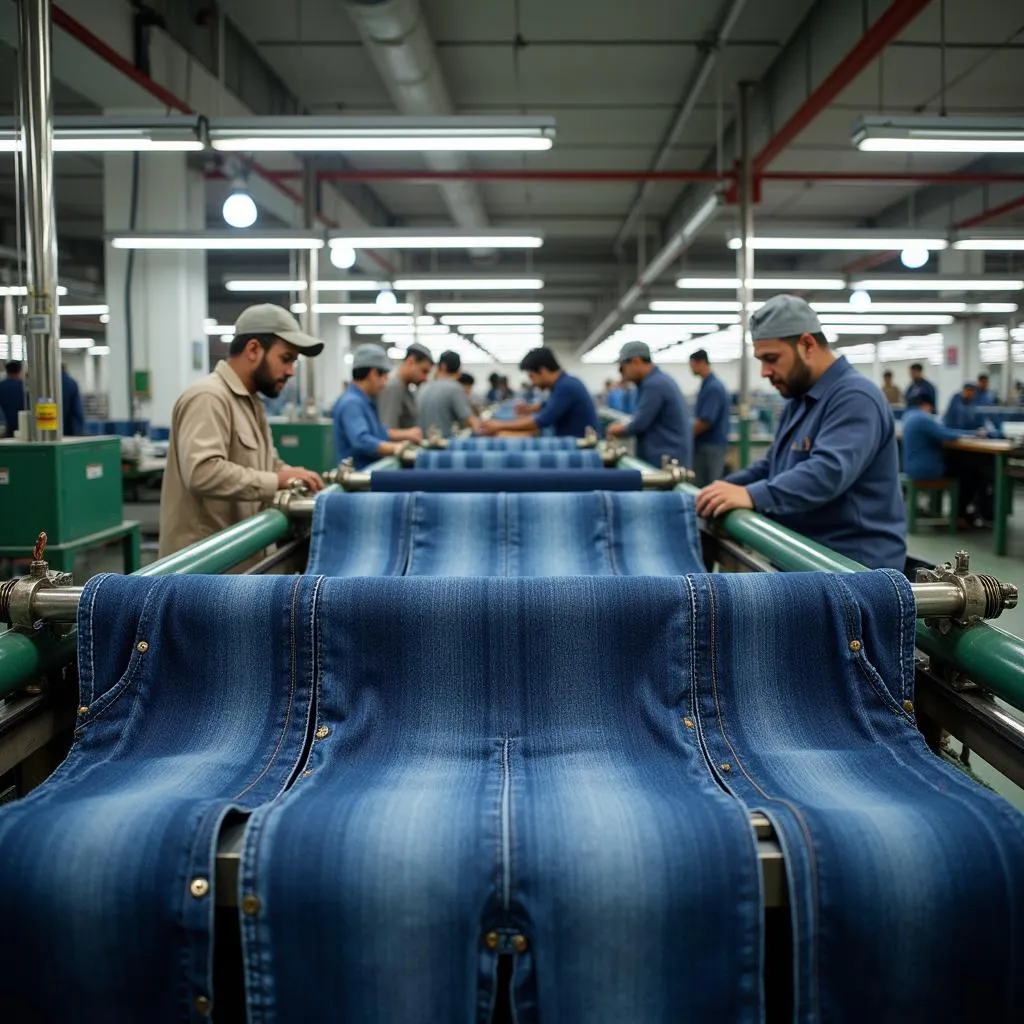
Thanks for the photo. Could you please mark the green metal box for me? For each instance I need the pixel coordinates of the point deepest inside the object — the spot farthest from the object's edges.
(69, 489)
(308, 443)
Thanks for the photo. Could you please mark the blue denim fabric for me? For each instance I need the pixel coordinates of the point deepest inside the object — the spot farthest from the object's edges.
(556, 458)
(494, 480)
(590, 533)
(906, 880)
(512, 444)
(96, 864)
(517, 764)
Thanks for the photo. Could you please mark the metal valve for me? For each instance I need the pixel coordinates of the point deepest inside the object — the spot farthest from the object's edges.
(981, 596)
(17, 596)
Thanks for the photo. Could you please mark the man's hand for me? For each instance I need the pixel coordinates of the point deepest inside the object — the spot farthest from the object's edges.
(615, 430)
(287, 474)
(489, 427)
(414, 434)
(720, 497)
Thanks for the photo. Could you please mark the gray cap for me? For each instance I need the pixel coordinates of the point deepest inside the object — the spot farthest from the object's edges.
(370, 356)
(632, 349)
(416, 349)
(267, 318)
(783, 316)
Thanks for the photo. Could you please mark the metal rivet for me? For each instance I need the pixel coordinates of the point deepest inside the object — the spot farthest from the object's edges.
(491, 940)
(855, 646)
(519, 943)
(203, 1005)
(725, 766)
(84, 709)
(306, 774)
(199, 887)
(908, 706)
(142, 647)
(688, 722)
(251, 904)
(323, 732)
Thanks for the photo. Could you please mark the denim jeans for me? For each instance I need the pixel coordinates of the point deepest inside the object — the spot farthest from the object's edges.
(195, 696)
(591, 533)
(556, 458)
(512, 444)
(453, 481)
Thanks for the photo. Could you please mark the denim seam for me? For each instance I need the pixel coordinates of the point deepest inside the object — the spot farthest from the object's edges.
(607, 523)
(406, 555)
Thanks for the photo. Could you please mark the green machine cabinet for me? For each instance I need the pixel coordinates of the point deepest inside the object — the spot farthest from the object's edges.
(71, 490)
(308, 443)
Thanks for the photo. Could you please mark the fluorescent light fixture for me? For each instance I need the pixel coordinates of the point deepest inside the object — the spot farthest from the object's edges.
(441, 238)
(485, 307)
(20, 289)
(269, 284)
(409, 328)
(215, 329)
(896, 307)
(476, 329)
(389, 320)
(254, 240)
(112, 135)
(484, 320)
(914, 283)
(460, 284)
(993, 307)
(380, 134)
(867, 241)
(352, 308)
(991, 241)
(352, 284)
(939, 134)
(858, 353)
(405, 335)
(99, 309)
(99, 350)
(854, 328)
(525, 341)
(809, 284)
(696, 306)
(642, 331)
(685, 318)
(903, 319)
(73, 343)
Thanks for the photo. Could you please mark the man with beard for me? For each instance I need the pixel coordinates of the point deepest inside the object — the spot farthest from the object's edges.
(221, 463)
(832, 472)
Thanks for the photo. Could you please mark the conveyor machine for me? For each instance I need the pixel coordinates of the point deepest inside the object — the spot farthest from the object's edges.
(969, 674)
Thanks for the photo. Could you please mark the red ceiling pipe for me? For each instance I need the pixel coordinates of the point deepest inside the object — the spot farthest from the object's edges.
(918, 177)
(91, 41)
(896, 18)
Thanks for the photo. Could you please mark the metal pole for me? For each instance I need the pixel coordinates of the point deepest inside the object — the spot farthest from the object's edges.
(42, 326)
(310, 263)
(745, 261)
(1009, 382)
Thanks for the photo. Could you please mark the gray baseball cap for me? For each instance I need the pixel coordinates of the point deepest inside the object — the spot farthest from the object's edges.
(416, 349)
(266, 318)
(632, 349)
(783, 316)
(372, 357)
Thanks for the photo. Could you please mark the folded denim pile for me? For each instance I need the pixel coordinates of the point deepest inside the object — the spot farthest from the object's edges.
(526, 458)
(438, 772)
(512, 444)
(587, 533)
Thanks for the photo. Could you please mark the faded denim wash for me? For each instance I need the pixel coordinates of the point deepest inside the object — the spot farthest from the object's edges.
(453, 481)
(556, 458)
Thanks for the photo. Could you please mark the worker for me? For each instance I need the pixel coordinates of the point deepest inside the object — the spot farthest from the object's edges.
(661, 423)
(963, 412)
(984, 395)
(221, 463)
(889, 389)
(396, 404)
(926, 458)
(71, 402)
(358, 431)
(442, 404)
(919, 387)
(12, 394)
(832, 472)
(711, 425)
(569, 409)
(467, 382)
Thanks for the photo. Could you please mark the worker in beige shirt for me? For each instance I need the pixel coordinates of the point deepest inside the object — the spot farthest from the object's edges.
(221, 463)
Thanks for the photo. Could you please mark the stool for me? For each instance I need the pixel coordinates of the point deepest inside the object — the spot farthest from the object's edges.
(934, 489)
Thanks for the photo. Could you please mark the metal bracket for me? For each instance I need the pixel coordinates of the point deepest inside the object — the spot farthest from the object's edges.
(983, 596)
(17, 596)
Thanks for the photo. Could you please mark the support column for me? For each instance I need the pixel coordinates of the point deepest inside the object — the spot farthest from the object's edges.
(167, 299)
(962, 335)
(745, 263)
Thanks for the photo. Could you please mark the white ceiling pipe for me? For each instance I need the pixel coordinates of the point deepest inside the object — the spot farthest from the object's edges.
(395, 34)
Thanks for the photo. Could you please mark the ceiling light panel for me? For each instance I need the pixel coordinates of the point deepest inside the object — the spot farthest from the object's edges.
(865, 242)
(911, 283)
(440, 239)
(809, 284)
(213, 240)
(880, 134)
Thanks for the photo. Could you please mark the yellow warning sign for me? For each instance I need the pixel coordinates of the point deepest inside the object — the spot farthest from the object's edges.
(46, 415)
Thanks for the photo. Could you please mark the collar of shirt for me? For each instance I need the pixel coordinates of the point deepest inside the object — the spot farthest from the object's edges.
(829, 379)
(655, 370)
(361, 396)
(233, 381)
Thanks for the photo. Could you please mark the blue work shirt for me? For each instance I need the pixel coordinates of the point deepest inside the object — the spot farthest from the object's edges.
(12, 401)
(358, 430)
(661, 424)
(985, 396)
(832, 472)
(713, 409)
(923, 438)
(71, 403)
(569, 409)
(921, 389)
(963, 415)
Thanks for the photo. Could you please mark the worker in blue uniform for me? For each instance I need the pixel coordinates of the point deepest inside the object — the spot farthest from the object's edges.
(661, 423)
(985, 395)
(12, 395)
(569, 409)
(711, 425)
(832, 472)
(919, 387)
(965, 412)
(71, 403)
(358, 431)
